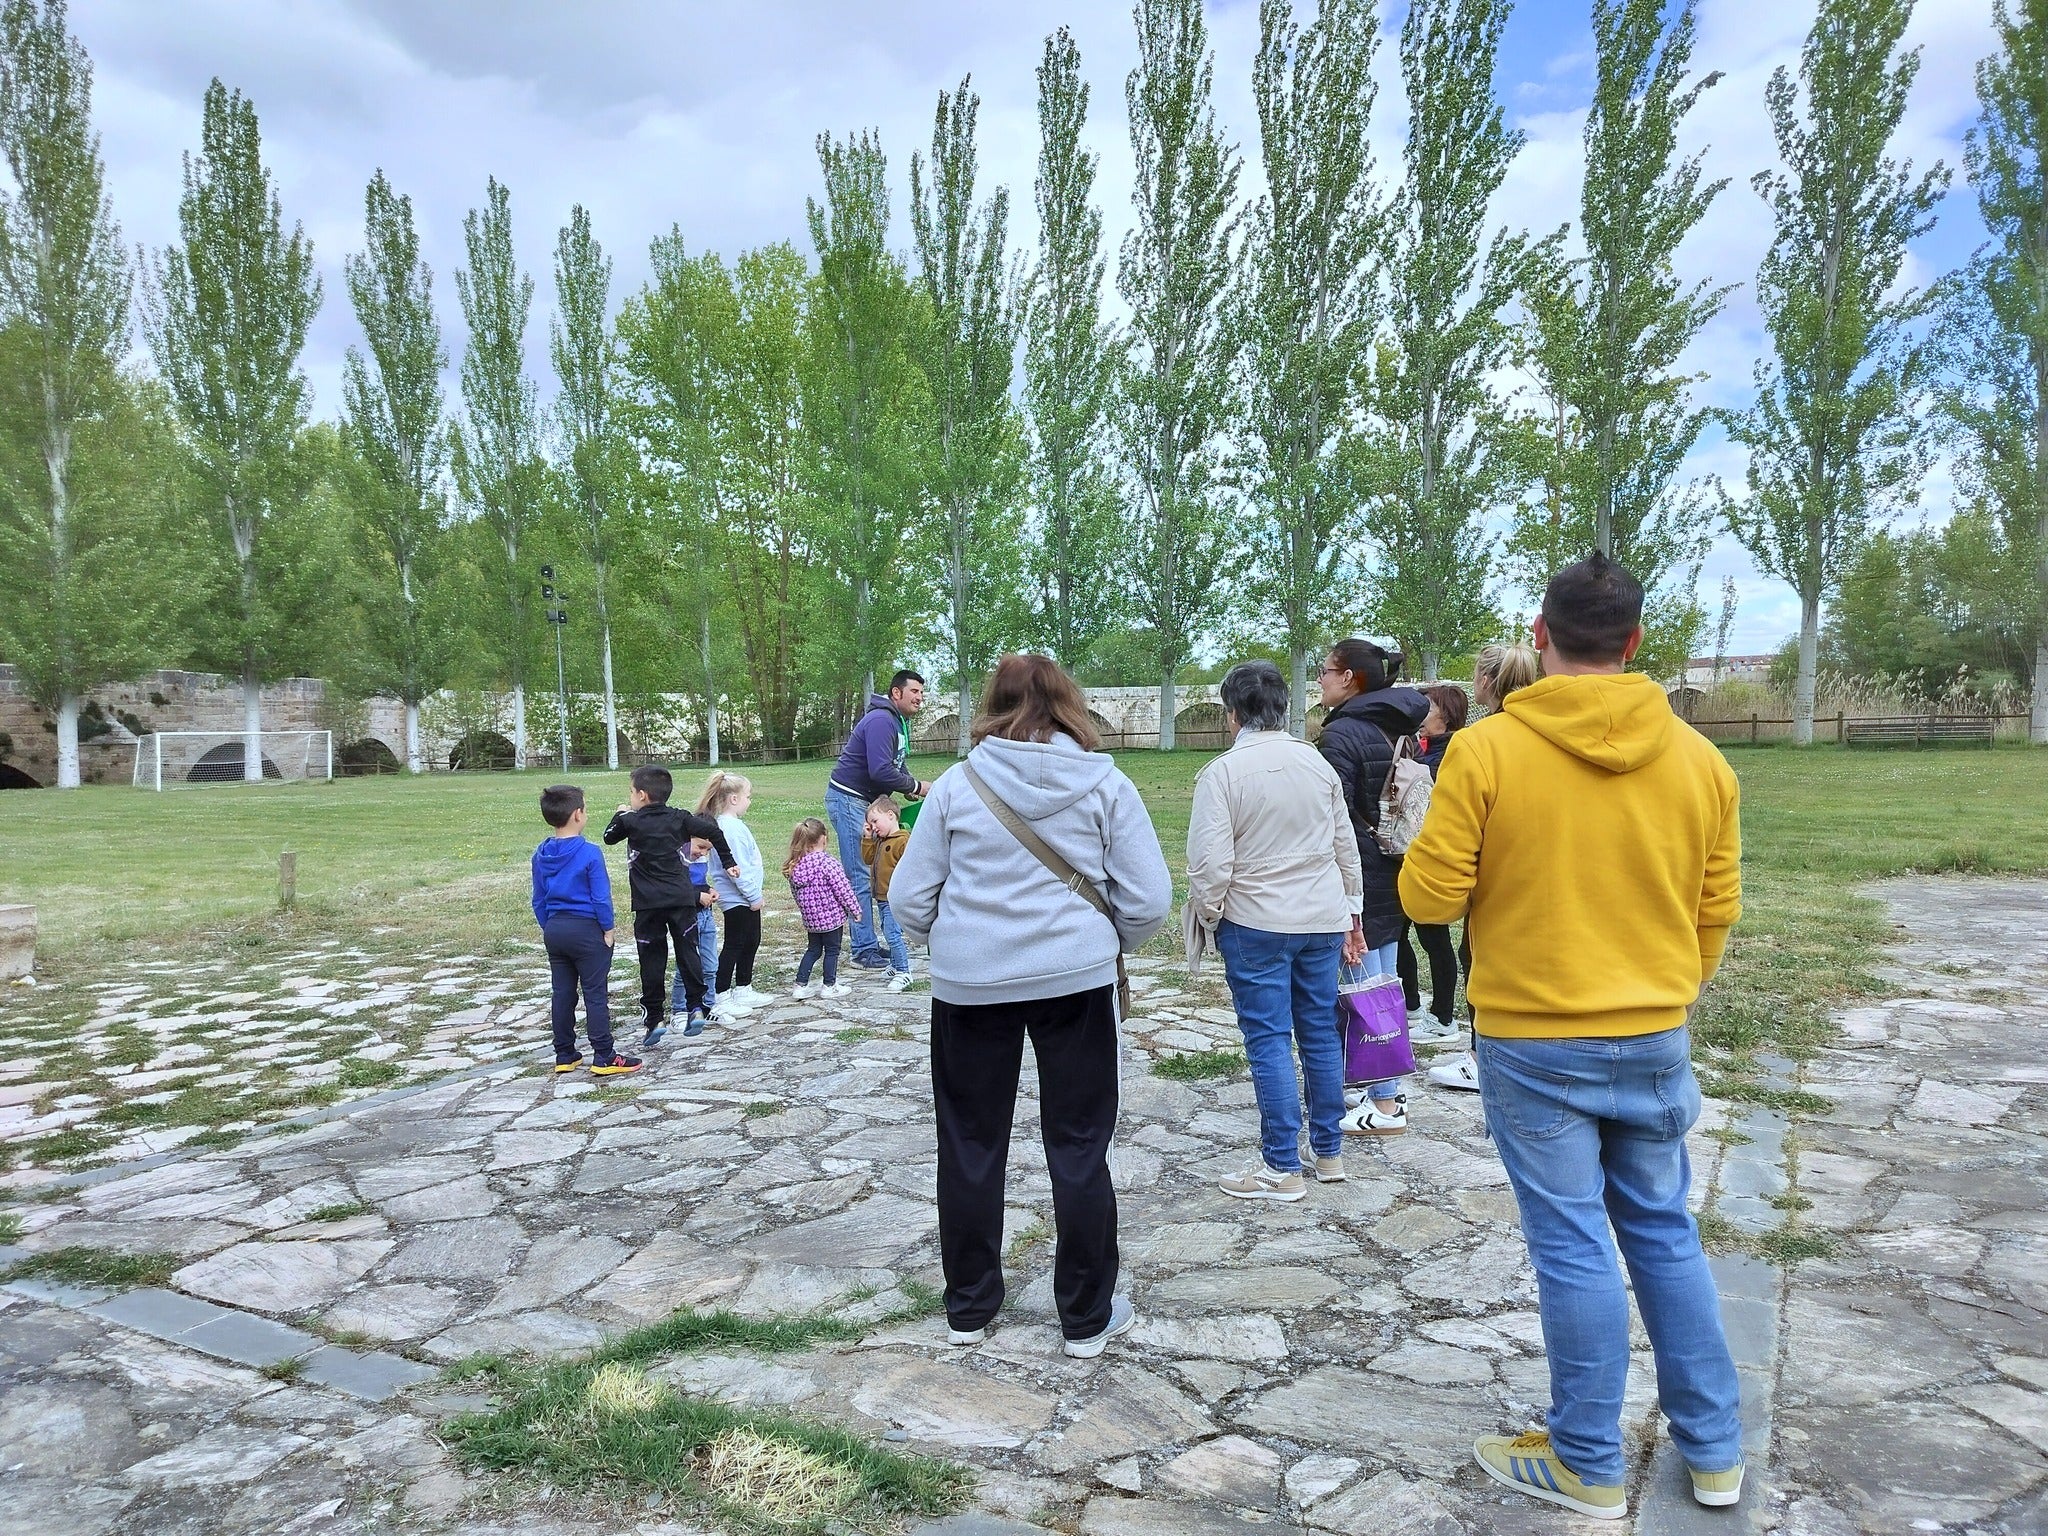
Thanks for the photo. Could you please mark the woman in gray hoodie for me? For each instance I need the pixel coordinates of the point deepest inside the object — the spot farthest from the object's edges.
(1017, 949)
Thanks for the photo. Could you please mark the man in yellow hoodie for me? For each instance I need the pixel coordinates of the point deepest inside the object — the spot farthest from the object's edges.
(1590, 839)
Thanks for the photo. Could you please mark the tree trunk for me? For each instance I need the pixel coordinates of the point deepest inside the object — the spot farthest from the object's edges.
(67, 740)
(414, 762)
(964, 745)
(1297, 690)
(252, 723)
(710, 684)
(611, 706)
(2037, 723)
(1809, 665)
(518, 726)
(1430, 660)
(1166, 697)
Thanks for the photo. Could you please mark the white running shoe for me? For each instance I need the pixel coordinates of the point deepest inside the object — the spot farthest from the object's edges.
(1377, 1117)
(837, 990)
(1461, 1071)
(753, 996)
(1427, 1029)
(806, 990)
(1121, 1317)
(899, 981)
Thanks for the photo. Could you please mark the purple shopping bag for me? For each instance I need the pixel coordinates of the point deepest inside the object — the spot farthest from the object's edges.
(1373, 1015)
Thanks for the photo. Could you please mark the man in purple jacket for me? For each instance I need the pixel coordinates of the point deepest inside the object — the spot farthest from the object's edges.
(872, 765)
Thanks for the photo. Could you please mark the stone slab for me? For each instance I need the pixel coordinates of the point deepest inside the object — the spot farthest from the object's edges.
(249, 1340)
(373, 1375)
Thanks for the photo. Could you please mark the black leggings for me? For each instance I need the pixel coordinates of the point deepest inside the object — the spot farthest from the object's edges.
(742, 943)
(1443, 969)
(819, 946)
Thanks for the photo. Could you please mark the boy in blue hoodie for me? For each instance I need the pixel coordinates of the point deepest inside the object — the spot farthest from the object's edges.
(572, 902)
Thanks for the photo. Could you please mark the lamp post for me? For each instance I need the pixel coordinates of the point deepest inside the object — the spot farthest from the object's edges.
(557, 617)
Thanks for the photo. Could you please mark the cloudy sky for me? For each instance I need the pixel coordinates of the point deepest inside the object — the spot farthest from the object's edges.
(701, 115)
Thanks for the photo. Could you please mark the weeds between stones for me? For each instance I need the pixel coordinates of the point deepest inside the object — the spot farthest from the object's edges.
(603, 1424)
(341, 1211)
(1194, 1066)
(284, 1370)
(1026, 1240)
(356, 1072)
(1743, 1090)
(95, 1266)
(10, 1226)
(761, 1109)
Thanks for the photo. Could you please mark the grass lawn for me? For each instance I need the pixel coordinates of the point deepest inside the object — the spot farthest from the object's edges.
(400, 865)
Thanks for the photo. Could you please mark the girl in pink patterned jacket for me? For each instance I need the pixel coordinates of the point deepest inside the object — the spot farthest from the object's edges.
(826, 902)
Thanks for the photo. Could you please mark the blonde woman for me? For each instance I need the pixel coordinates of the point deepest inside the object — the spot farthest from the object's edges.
(1499, 671)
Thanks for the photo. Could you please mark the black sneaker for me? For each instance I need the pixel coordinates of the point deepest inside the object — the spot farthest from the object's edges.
(655, 1035)
(570, 1064)
(698, 1017)
(875, 962)
(616, 1066)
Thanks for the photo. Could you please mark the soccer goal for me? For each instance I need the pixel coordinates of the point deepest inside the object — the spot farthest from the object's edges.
(173, 759)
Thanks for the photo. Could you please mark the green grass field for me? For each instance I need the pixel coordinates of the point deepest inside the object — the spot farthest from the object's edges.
(403, 864)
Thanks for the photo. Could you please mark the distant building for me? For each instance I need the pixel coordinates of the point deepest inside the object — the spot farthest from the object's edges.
(1699, 672)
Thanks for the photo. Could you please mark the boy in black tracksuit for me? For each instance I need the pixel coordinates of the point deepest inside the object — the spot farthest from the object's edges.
(666, 901)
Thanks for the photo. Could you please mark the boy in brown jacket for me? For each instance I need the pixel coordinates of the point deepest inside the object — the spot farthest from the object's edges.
(881, 849)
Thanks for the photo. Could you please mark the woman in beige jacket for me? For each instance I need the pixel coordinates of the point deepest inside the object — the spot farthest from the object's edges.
(1273, 870)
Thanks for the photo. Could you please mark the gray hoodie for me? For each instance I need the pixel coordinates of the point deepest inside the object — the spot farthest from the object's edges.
(1001, 928)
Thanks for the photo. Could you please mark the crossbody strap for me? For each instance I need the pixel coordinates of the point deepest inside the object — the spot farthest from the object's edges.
(1035, 845)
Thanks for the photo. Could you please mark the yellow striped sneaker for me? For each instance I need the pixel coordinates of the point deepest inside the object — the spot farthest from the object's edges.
(1717, 1489)
(1527, 1464)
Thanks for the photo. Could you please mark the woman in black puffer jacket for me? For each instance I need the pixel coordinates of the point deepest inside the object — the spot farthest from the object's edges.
(1367, 715)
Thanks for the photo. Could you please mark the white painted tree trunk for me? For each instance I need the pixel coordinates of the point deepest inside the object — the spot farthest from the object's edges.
(1430, 661)
(1166, 698)
(710, 684)
(611, 707)
(965, 743)
(519, 726)
(252, 727)
(1809, 669)
(1297, 692)
(67, 740)
(414, 762)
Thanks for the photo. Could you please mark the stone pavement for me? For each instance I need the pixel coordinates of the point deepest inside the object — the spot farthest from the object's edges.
(1321, 1367)
(1913, 1389)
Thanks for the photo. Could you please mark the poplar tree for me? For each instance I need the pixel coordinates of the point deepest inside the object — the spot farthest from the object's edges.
(969, 346)
(1309, 307)
(862, 399)
(392, 423)
(580, 342)
(72, 564)
(1831, 437)
(1444, 455)
(495, 449)
(1605, 330)
(1995, 327)
(1174, 397)
(227, 319)
(1071, 356)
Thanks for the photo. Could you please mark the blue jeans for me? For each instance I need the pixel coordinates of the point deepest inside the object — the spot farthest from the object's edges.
(1285, 988)
(1592, 1133)
(707, 955)
(849, 818)
(892, 936)
(1384, 961)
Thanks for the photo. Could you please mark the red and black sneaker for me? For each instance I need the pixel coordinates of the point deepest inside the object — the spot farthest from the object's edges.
(615, 1066)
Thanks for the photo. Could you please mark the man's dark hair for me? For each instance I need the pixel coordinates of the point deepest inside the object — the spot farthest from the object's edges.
(1591, 608)
(904, 676)
(1374, 666)
(657, 784)
(558, 802)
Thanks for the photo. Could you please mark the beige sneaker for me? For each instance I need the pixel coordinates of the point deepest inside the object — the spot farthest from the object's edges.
(1717, 1490)
(1262, 1183)
(1527, 1464)
(1330, 1170)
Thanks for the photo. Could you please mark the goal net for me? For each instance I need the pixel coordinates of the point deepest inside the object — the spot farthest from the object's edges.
(173, 759)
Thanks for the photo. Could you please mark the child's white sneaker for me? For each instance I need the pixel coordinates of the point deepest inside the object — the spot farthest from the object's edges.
(754, 996)
(899, 981)
(806, 990)
(837, 990)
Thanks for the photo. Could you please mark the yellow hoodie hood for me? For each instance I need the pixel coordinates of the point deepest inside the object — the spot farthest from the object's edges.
(1619, 721)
